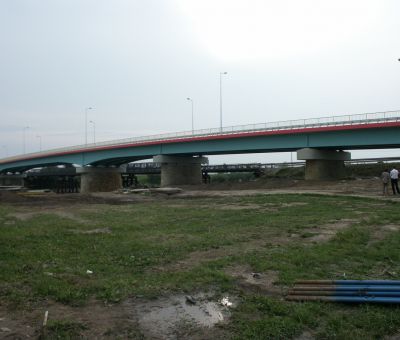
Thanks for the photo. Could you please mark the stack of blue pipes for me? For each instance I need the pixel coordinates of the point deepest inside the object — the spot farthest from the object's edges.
(357, 291)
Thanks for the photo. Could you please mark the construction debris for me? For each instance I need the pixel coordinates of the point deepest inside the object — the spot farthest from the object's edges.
(190, 299)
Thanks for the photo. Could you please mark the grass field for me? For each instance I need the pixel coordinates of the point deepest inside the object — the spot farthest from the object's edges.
(157, 248)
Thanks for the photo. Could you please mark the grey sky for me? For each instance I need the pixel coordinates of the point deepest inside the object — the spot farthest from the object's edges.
(136, 61)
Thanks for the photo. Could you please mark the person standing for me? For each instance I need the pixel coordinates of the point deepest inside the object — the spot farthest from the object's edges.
(394, 178)
(385, 177)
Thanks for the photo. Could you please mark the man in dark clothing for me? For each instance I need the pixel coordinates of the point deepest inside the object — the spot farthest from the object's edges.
(385, 181)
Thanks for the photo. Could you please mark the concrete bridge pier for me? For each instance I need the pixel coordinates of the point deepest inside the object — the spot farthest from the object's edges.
(99, 179)
(324, 164)
(180, 170)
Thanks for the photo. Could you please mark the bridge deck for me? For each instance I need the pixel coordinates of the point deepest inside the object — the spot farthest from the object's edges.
(334, 123)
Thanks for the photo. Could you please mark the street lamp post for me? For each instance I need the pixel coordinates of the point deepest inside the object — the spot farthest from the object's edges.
(86, 122)
(94, 131)
(24, 138)
(220, 99)
(40, 142)
(191, 100)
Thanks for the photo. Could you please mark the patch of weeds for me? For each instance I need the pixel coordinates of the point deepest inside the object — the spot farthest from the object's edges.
(64, 329)
(125, 333)
(260, 317)
(359, 321)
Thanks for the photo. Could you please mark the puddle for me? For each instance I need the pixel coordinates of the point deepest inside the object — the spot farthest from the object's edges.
(164, 317)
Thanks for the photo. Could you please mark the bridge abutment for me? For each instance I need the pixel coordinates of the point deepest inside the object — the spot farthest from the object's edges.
(180, 170)
(99, 179)
(324, 164)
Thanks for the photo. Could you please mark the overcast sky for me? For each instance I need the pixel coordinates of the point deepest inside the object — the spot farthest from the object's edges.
(136, 61)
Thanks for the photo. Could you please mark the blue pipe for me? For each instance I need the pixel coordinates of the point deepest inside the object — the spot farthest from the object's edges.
(372, 288)
(348, 282)
(345, 293)
(367, 299)
(345, 299)
(367, 282)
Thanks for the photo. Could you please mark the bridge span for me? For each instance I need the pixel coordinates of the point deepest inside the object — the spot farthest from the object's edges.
(319, 141)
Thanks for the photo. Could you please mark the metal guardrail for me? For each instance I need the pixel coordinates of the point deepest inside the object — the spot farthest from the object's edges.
(343, 120)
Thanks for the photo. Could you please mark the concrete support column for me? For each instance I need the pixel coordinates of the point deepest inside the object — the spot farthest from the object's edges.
(180, 170)
(99, 179)
(323, 164)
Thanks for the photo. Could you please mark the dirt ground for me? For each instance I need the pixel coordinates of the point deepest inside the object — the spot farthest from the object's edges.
(360, 187)
(122, 320)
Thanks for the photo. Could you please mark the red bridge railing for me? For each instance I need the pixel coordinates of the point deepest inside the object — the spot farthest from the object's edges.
(343, 120)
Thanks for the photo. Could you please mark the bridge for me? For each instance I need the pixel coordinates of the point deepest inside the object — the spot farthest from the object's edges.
(319, 141)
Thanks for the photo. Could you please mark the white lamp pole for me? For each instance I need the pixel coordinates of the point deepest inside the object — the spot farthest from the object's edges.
(220, 99)
(24, 138)
(86, 122)
(191, 100)
(94, 131)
